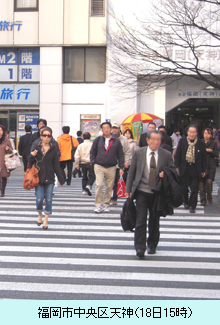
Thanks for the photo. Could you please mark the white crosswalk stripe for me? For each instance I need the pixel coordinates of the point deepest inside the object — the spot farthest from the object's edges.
(84, 255)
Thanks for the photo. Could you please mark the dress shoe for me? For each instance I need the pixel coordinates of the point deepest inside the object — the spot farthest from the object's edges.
(186, 206)
(151, 250)
(192, 210)
(140, 253)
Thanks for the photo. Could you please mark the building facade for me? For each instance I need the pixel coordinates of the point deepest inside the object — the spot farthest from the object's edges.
(52, 64)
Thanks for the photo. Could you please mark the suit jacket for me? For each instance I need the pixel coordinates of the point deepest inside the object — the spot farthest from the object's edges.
(169, 141)
(24, 146)
(143, 141)
(200, 157)
(138, 163)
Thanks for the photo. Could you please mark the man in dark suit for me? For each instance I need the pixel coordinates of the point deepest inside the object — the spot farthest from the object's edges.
(143, 142)
(146, 164)
(191, 160)
(80, 140)
(167, 139)
(24, 146)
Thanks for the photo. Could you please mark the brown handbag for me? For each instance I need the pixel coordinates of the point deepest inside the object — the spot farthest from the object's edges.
(31, 178)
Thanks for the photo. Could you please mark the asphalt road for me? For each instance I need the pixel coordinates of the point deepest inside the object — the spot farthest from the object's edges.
(88, 256)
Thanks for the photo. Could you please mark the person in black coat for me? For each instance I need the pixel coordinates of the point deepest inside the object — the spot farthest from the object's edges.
(206, 184)
(168, 139)
(80, 140)
(143, 139)
(36, 135)
(24, 146)
(45, 156)
(190, 159)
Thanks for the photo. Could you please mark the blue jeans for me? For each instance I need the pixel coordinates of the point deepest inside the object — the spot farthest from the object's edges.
(46, 189)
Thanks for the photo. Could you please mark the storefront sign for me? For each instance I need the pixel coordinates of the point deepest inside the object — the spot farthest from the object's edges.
(9, 26)
(27, 118)
(137, 130)
(199, 94)
(90, 116)
(19, 94)
(90, 123)
(20, 64)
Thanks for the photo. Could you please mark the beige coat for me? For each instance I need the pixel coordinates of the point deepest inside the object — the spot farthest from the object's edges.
(82, 154)
(3, 152)
(126, 148)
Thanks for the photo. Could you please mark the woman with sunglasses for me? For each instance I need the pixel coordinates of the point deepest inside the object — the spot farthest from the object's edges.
(44, 154)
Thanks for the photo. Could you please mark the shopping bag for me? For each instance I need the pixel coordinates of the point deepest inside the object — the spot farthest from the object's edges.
(12, 161)
(121, 187)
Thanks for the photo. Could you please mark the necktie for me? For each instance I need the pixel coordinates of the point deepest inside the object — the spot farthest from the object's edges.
(153, 170)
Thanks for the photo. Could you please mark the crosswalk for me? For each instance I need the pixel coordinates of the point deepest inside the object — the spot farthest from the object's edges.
(84, 255)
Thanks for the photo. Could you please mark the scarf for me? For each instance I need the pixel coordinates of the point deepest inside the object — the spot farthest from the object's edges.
(190, 155)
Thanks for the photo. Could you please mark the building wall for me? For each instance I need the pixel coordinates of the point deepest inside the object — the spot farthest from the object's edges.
(59, 23)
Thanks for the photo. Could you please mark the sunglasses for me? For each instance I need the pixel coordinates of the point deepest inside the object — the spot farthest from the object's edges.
(47, 135)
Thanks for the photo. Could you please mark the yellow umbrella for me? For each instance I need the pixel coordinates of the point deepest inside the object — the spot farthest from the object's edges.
(143, 117)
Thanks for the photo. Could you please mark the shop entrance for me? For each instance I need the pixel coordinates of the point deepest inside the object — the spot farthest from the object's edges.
(15, 121)
(203, 112)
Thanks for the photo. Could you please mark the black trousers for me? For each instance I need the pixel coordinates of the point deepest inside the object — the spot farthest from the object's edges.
(190, 179)
(25, 162)
(77, 171)
(69, 164)
(88, 175)
(144, 202)
(3, 183)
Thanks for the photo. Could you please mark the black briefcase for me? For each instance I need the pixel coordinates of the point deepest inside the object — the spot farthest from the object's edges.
(128, 215)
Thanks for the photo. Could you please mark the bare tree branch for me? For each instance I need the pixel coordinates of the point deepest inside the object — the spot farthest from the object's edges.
(177, 38)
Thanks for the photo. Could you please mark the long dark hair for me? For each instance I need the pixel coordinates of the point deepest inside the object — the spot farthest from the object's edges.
(3, 136)
(129, 131)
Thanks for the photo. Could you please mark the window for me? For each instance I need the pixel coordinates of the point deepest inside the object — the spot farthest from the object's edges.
(26, 5)
(85, 64)
(97, 8)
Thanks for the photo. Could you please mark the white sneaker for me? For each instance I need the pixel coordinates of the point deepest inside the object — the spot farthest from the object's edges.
(98, 209)
(84, 192)
(106, 209)
(88, 190)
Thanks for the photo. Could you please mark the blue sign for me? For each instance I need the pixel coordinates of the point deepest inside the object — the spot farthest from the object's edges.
(27, 118)
(26, 59)
(19, 94)
(29, 61)
(8, 57)
(29, 56)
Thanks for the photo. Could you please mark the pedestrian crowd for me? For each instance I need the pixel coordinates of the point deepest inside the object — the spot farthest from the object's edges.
(147, 168)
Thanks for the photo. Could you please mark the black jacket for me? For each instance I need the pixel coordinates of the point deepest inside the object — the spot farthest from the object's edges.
(35, 136)
(143, 141)
(80, 140)
(211, 159)
(48, 164)
(107, 158)
(200, 157)
(168, 193)
(24, 146)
